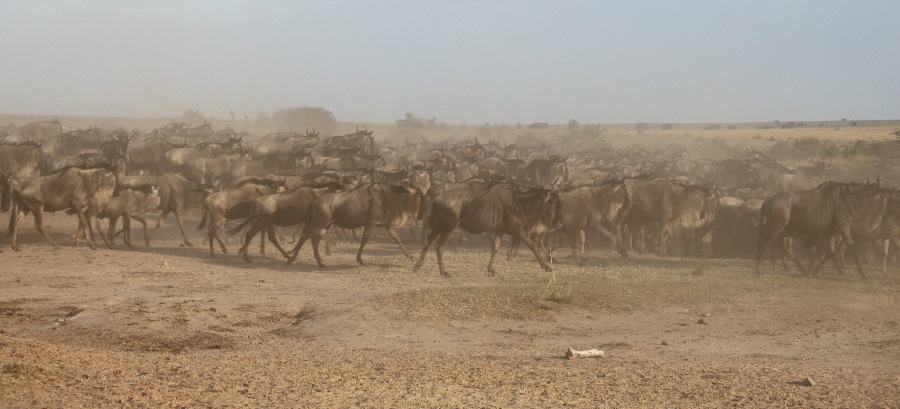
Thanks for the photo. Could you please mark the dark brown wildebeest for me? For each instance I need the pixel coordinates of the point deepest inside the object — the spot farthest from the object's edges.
(547, 173)
(876, 222)
(367, 206)
(232, 203)
(358, 142)
(176, 194)
(653, 206)
(500, 209)
(831, 209)
(278, 209)
(669, 207)
(600, 208)
(147, 156)
(68, 188)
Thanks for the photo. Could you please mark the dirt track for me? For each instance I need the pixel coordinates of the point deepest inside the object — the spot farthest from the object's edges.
(168, 327)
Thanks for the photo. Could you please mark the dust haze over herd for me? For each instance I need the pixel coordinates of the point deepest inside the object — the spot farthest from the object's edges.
(652, 163)
(462, 62)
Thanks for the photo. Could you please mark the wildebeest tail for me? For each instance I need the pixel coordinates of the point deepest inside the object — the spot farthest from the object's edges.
(235, 230)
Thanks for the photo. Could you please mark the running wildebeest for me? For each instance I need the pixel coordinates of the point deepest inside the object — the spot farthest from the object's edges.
(126, 205)
(500, 209)
(367, 206)
(176, 194)
(67, 188)
(278, 209)
(832, 208)
(233, 203)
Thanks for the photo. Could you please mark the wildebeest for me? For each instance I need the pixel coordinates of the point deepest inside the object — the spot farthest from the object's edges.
(176, 194)
(500, 209)
(367, 206)
(602, 209)
(832, 208)
(68, 188)
(232, 203)
(669, 207)
(278, 209)
(24, 160)
(180, 156)
(547, 173)
(126, 205)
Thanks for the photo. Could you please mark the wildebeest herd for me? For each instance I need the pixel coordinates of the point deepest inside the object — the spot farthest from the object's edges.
(630, 200)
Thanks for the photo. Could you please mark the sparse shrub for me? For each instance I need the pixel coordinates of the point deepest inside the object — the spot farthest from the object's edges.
(712, 127)
(666, 127)
(298, 119)
(640, 127)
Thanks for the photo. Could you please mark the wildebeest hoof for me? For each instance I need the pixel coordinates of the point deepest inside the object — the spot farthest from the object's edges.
(548, 269)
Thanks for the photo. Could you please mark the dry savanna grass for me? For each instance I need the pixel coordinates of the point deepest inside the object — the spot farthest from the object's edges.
(522, 291)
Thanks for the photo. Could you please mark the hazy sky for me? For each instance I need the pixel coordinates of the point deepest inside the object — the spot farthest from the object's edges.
(459, 61)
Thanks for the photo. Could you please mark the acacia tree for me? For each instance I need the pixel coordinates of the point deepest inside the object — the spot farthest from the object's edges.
(306, 117)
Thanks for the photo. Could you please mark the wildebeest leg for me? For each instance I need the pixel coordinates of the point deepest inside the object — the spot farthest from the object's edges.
(396, 237)
(513, 248)
(426, 242)
(534, 249)
(181, 226)
(212, 235)
(495, 246)
(126, 224)
(789, 250)
(15, 216)
(439, 251)
(296, 249)
(886, 247)
(112, 230)
(143, 222)
(162, 217)
(853, 250)
(83, 226)
(296, 235)
(768, 232)
(102, 234)
(316, 239)
(367, 231)
(274, 239)
(248, 237)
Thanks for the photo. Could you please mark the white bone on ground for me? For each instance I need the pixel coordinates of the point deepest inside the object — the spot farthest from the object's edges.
(590, 353)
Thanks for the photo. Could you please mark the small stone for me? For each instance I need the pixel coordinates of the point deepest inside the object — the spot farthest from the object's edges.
(808, 382)
(707, 314)
(165, 263)
(701, 321)
(665, 343)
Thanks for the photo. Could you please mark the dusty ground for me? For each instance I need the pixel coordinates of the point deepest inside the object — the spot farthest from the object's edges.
(168, 327)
